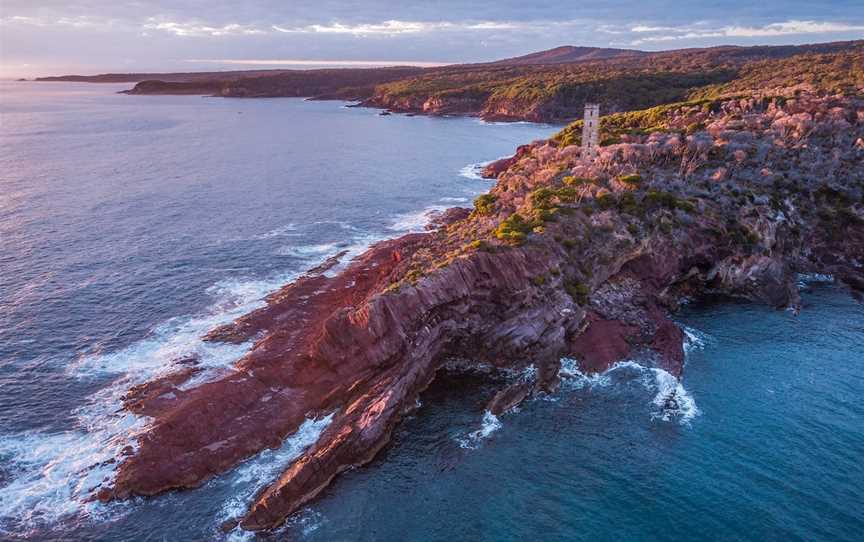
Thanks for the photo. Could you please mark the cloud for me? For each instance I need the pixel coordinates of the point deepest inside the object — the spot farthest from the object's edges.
(792, 27)
(81, 21)
(703, 31)
(197, 29)
(396, 27)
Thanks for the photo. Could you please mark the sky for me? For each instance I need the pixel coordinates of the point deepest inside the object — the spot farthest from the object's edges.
(51, 37)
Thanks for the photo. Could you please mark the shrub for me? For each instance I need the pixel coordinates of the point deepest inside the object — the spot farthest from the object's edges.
(541, 198)
(478, 244)
(570, 180)
(414, 275)
(545, 215)
(578, 291)
(633, 180)
(566, 194)
(567, 139)
(695, 127)
(606, 201)
(668, 200)
(628, 204)
(485, 204)
(514, 229)
(685, 206)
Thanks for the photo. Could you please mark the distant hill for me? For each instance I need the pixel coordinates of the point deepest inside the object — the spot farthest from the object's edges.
(179, 77)
(566, 54)
(556, 91)
(547, 86)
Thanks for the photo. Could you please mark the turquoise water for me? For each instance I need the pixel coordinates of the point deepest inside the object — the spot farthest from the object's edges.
(131, 225)
(773, 454)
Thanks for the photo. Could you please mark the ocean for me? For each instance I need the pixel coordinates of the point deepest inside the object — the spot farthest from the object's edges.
(130, 226)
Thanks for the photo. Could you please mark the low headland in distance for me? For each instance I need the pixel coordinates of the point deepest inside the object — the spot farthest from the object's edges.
(549, 86)
(720, 172)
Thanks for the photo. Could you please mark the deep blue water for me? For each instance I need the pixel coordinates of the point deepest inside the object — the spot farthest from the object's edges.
(131, 225)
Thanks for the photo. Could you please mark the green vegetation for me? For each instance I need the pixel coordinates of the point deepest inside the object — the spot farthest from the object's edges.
(633, 180)
(667, 200)
(514, 229)
(485, 204)
(541, 198)
(578, 291)
(570, 180)
(605, 201)
(559, 92)
(643, 122)
(840, 72)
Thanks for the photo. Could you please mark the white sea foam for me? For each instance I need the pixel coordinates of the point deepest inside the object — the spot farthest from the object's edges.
(574, 378)
(671, 400)
(474, 171)
(180, 337)
(282, 231)
(489, 425)
(251, 476)
(309, 251)
(54, 475)
(416, 221)
(454, 200)
(693, 339)
(805, 279)
(300, 230)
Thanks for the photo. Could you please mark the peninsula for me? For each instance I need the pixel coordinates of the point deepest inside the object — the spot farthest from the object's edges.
(750, 172)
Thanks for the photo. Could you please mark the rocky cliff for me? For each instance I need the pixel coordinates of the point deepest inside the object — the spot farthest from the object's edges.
(566, 256)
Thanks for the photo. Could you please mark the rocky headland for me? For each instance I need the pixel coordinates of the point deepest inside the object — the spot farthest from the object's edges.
(566, 256)
(547, 86)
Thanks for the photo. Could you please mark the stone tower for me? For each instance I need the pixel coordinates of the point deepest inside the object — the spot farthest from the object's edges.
(591, 130)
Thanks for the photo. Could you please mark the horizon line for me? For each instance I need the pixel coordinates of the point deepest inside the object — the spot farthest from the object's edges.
(299, 62)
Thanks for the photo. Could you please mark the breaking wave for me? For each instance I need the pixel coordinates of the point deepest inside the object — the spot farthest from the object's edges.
(806, 279)
(308, 251)
(693, 339)
(416, 221)
(671, 400)
(54, 475)
(489, 425)
(474, 171)
(251, 476)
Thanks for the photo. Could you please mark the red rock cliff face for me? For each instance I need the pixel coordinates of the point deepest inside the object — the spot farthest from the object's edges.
(591, 269)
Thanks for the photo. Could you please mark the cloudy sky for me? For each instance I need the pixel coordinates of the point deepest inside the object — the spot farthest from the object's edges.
(43, 37)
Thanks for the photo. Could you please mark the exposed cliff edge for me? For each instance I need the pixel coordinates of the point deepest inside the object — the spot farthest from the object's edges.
(566, 256)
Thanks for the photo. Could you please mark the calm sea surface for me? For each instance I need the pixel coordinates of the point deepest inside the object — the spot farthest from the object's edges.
(129, 226)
